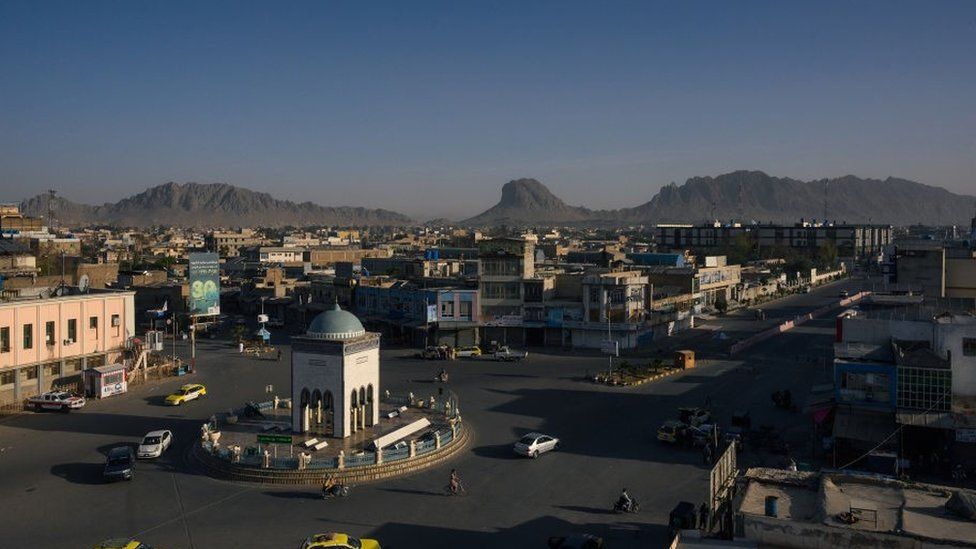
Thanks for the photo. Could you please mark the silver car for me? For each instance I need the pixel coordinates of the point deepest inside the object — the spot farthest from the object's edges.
(533, 444)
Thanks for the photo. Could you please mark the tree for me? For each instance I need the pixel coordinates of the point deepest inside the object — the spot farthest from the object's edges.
(827, 255)
(238, 332)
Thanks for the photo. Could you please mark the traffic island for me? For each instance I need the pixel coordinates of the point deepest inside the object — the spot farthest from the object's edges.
(631, 375)
(274, 456)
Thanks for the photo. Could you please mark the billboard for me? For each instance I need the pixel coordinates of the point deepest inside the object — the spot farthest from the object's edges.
(204, 275)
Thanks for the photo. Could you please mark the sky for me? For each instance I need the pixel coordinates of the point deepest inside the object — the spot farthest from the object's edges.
(428, 108)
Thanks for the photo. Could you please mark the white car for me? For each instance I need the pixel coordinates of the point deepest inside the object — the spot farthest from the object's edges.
(154, 444)
(533, 444)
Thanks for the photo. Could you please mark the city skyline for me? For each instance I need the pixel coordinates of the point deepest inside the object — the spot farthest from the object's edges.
(387, 107)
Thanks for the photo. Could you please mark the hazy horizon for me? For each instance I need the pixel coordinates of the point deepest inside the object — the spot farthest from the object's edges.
(428, 109)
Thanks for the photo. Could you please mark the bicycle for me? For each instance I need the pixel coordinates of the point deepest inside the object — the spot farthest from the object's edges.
(451, 490)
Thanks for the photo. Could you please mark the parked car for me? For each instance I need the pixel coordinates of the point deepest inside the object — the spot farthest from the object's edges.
(507, 355)
(694, 416)
(469, 351)
(671, 431)
(844, 294)
(56, 400)
(432, 352)
(119, 464)
(190, 391)
(343, 541)
(154, 444)
(533, 444)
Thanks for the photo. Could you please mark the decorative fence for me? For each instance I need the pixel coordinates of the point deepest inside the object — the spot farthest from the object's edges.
(432, 441)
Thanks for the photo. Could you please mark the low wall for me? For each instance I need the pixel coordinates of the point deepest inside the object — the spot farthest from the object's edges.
(797, 321)
(220, 467)
(773, 532)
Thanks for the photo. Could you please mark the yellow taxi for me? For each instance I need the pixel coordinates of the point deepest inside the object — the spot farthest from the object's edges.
(670, 431)
(186, 393)
(469, 351)
(342, 541)
(123, 543)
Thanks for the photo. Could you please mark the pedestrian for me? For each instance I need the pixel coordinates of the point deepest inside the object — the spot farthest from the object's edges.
(703, 517)
(240, 347)
(279, 356)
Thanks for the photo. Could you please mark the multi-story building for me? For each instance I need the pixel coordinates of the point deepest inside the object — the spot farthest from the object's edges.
(614, 309)
(47, 342)
(229, 243)
(711, 283)
(853, 241)
(16, 259)
(13, 222)
(936, 269)
(917, 366)
(504, 266)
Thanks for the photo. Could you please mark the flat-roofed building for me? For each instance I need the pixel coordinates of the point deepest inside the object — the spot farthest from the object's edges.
(47, 342)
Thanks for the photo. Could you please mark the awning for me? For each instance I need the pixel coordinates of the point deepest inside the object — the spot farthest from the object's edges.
(934, 420)
(862, 425)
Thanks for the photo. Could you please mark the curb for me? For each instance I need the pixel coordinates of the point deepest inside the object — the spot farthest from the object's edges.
(221, 469)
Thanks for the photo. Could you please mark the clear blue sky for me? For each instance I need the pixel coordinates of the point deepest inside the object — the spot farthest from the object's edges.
(428, 108)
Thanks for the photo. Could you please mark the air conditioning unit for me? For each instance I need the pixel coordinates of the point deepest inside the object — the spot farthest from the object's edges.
(116, 321)
(68, 342)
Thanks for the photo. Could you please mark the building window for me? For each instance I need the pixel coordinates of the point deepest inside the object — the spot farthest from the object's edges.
(969, 346)
(465, 310)
(93, 325)
(8, 377)
(30, 372)
(72, 329)
(5, 339)
(28, 336)
(53, 370)
(49, 332)
(447, 309)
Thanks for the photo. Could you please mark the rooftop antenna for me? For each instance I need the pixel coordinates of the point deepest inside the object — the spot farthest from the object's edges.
(826, 185)
(52, 221)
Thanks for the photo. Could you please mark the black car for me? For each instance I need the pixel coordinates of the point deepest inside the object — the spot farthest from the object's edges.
(120, 463)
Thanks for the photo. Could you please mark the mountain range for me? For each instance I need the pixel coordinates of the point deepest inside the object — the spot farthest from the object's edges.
(745, 196)
(207, 205)
(741, 195)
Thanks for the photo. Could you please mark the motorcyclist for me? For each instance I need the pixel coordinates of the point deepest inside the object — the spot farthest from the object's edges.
(329, 485)
(442, 375)
(625, 502)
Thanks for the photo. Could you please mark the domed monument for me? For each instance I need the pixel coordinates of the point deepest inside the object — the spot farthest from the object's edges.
(335, 376)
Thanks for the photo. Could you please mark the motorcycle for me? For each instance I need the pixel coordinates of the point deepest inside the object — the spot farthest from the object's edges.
(441, 377)
(621, 507)
(337, 491)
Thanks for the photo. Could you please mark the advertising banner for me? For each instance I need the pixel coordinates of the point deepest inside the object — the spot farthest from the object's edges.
(204, 275)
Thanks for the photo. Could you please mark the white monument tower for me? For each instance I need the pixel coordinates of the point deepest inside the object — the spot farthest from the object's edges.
(335, 376)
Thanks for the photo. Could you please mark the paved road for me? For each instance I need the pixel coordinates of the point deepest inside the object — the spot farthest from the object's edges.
(51, 494)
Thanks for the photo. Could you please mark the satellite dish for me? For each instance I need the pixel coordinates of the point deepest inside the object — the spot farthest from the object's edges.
(83, 283)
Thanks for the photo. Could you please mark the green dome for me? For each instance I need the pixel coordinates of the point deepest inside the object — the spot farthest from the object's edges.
(335, 325)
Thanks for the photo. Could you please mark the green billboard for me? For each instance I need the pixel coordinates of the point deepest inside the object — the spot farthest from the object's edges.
(204, 275)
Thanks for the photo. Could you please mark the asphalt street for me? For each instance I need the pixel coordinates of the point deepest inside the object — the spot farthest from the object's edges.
(51, 493)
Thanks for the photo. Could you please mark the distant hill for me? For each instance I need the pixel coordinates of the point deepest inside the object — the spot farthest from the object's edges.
(208, 205)
(746, 196)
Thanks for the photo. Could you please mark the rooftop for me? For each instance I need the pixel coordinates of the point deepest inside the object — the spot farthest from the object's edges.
(883, 505)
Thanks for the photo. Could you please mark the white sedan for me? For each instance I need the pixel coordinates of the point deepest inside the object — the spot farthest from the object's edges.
(533, 444)
(154, 444)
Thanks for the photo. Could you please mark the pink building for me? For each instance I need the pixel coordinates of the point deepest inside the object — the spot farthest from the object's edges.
(47, 342)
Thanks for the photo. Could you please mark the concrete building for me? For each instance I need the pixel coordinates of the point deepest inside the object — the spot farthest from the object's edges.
(614, 308)
(854, 241)
(327, 257)
(276, 254)
(936, 269)
(335, 372)
(503, 265)
(229, 243)
(916, 355)
(47, 342)
(16, 259)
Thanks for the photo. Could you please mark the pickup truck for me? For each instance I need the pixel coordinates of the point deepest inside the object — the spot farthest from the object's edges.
(505, 354)
(56, 400)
